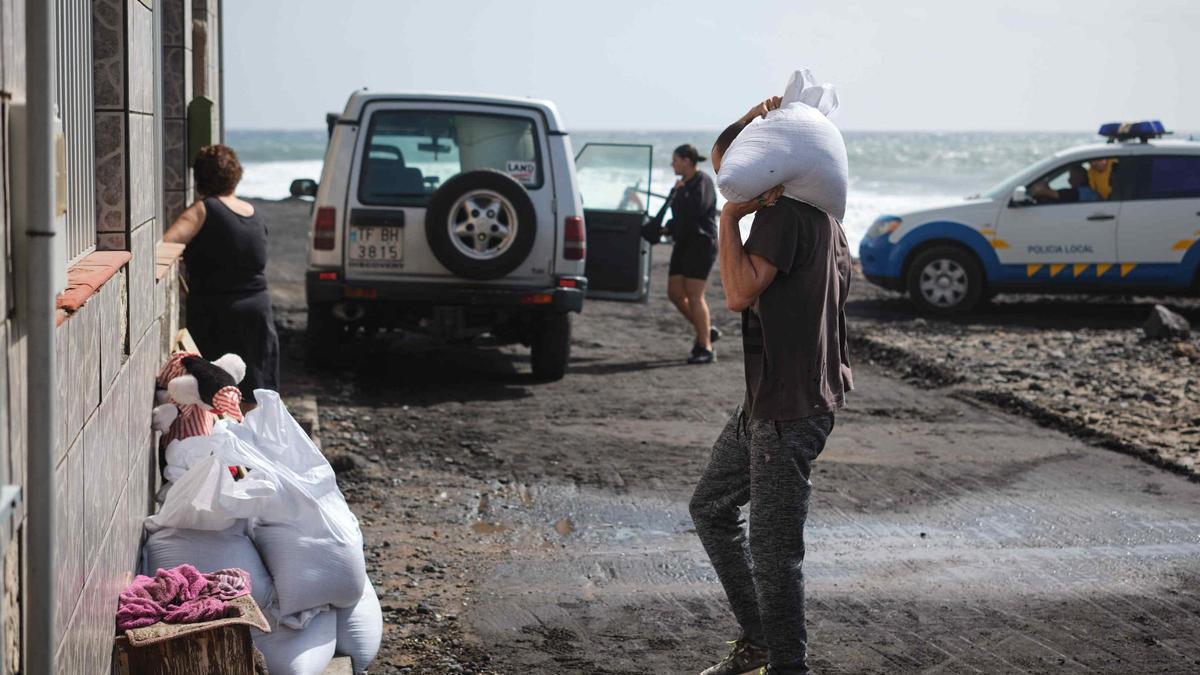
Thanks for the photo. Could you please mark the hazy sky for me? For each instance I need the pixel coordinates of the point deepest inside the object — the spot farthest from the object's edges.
(641, 64)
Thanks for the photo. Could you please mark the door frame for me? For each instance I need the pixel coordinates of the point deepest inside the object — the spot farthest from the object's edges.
(645, 250)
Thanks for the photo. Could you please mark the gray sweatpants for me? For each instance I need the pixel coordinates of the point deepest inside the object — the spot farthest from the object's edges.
(766, 464)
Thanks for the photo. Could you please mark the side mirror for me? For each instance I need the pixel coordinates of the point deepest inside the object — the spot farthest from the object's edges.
(1020, 196)
(303, 187)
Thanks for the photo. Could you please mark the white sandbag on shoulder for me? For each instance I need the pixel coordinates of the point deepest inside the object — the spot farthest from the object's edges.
(310, 571)
(210, 551)
(795, 146)
(308, 651)
(360, 630)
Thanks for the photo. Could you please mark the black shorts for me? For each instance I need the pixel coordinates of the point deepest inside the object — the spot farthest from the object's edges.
(693, 257)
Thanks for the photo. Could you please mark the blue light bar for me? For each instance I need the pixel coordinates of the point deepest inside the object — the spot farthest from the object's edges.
(1124, 131)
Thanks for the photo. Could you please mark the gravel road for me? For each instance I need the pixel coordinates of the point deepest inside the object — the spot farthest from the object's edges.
(516, 527)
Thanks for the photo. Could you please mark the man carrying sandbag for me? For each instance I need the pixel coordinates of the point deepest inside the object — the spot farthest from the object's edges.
(789, 280)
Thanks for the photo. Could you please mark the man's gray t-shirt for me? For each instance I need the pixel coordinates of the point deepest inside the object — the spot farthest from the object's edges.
(794, 335)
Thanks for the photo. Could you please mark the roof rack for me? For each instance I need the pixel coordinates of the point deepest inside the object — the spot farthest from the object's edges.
(1127, 131)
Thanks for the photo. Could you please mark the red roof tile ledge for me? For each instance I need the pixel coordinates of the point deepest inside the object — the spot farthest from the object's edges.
(85, 278)
(165, 255)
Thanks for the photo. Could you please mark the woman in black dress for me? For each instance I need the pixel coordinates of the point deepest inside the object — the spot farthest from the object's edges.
(228, 307)
(694, 229)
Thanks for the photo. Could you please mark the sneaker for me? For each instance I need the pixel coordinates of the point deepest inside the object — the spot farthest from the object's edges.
(701, 355)
(744, 656)
(714, 334)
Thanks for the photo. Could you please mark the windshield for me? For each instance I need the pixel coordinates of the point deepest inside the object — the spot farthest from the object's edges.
(409, 153)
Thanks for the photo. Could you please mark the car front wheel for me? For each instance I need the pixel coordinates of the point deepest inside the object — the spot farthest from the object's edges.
(945, 280)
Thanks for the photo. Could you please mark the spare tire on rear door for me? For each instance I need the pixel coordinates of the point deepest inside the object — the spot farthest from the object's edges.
(481, 224)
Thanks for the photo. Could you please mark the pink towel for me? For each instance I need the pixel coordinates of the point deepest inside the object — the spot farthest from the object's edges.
(179, 595)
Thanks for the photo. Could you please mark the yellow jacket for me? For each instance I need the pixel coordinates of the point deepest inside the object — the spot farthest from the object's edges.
(1101, 180)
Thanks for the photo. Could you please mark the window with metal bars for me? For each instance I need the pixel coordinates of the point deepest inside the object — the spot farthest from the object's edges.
(74, 62)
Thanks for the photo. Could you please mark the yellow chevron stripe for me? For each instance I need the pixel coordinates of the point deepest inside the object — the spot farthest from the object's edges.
(1031, 270)
(1126, 268)
(1079, 268)
(987, 231)
(1102, 268)
(1056, 268)
(1182, 245)
(999, 244)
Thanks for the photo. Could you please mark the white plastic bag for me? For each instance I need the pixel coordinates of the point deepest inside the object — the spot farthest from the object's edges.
(795, 146)
(210, 551)
(206, 496)
(360, 630)
(308, 651)
(309, 538)
(182, 455)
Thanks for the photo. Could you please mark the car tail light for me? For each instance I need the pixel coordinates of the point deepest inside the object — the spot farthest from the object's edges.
(574, 238)
(327, 276)
(568, 283)
(324, 229)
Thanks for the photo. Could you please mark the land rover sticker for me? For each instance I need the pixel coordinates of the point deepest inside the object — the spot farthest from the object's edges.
(522, 172)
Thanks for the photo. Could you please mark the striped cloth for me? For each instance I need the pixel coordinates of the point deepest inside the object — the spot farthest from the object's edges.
(194, 419)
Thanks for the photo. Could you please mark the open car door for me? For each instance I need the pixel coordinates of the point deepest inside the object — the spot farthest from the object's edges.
(614, 180)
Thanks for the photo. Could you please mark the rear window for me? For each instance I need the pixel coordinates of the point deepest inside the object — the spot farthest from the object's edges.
(1167, 177)
(410, 153)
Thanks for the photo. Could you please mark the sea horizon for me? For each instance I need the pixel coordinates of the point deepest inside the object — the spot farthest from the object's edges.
(890, 171)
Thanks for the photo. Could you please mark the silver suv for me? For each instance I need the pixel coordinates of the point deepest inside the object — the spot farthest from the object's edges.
(461, 217)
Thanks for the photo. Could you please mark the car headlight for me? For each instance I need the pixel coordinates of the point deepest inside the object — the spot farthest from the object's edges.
(884, 225)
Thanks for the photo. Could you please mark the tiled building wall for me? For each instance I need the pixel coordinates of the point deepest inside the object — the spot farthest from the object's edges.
(110, 349)
(177, 93)
(206, 73)
(126, 103)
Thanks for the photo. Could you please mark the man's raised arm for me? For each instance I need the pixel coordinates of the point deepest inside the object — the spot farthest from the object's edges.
(744, 275)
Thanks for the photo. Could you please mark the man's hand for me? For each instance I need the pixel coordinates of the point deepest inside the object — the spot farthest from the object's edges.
(739, 210)
(678, 183)
(761, 109)
(1042, 190)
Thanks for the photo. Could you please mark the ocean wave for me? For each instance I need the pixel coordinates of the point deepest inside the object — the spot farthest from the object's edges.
(270, 180)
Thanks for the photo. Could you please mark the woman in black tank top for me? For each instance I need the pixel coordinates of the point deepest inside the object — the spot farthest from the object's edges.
(228, 307)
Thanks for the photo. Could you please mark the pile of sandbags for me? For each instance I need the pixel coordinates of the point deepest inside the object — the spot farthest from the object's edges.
(285, 522)
(795, 146)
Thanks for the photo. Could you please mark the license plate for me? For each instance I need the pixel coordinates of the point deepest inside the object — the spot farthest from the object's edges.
(376, 248)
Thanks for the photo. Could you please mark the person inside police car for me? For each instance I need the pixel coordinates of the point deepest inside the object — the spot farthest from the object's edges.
(1078, 191)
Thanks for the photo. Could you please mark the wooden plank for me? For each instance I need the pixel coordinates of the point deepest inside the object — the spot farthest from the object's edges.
(227, 649)
(184, 342)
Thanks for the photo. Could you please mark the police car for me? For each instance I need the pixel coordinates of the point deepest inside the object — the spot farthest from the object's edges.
(1121, 216)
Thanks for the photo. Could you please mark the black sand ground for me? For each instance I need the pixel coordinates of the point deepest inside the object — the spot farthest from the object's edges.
(518, 527)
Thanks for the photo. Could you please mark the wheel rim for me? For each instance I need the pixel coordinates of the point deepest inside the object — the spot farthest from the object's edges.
(943, 283)
(482, 224)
